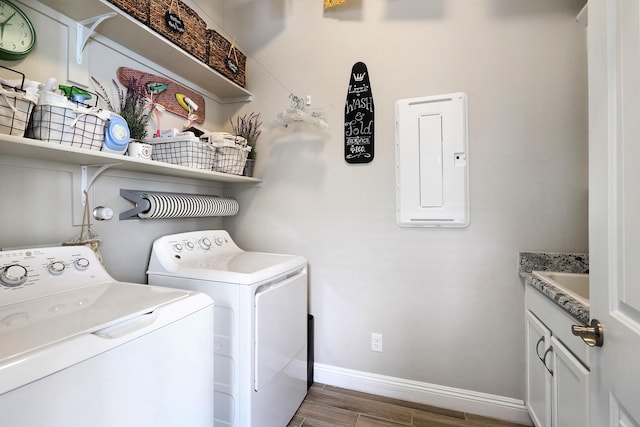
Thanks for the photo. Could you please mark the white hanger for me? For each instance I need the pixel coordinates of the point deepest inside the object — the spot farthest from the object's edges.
(298, 114)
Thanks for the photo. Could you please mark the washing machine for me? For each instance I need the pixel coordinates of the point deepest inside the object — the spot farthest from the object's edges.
(260, 322)
(78, 348)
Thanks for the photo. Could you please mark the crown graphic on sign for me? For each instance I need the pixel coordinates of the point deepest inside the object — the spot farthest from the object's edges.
(359, 77)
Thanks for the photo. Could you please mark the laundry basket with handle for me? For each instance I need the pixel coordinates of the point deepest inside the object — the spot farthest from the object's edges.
(56, 119)
(230, 157)
(184, 150)
(16, 104)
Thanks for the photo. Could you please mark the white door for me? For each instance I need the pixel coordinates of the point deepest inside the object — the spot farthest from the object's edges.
(614, 208)
(280, 328)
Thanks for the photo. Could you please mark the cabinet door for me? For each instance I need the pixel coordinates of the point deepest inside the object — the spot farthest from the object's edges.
(538, 396)
(570, 389)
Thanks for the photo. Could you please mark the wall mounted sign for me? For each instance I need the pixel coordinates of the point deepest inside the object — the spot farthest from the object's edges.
(232, 65)
(167, 98)
(331, 3)
(174, 22)
(358, 117)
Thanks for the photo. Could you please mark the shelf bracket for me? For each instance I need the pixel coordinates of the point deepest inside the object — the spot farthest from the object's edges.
(87, 181)
(83, 33)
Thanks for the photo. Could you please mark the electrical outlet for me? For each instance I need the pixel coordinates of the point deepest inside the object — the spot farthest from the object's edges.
(376, 342)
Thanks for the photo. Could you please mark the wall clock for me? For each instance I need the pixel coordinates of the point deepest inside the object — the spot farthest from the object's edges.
(17, 35)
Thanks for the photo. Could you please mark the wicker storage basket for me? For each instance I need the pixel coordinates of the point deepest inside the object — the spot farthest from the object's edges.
(185, 150)
(139, 9)
(190, 36)
(56, 119)
(226, 59)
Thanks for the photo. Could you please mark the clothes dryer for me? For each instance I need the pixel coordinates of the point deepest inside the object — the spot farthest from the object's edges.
(260, 322)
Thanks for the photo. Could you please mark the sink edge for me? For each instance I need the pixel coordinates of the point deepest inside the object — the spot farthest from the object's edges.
(566, 302)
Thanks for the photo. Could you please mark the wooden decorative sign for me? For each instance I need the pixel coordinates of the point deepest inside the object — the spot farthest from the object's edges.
(359, 117)
(168, 98)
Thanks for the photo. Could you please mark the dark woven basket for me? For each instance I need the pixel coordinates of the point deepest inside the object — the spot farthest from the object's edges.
(139, 9)
(229, 62)
(194, 38)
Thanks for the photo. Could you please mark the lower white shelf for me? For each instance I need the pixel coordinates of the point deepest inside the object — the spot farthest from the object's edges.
(36, 149)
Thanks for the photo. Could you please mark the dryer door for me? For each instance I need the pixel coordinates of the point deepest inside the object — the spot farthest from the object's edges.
(281, 327)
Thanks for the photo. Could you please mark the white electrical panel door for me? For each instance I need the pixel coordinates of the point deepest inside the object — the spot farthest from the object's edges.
(432, 168)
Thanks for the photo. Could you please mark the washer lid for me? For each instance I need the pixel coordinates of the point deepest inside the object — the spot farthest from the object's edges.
(244, 268)
(41, 322)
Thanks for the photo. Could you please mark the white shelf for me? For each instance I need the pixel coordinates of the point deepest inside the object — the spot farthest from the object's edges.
(43, 150)
(127, 31)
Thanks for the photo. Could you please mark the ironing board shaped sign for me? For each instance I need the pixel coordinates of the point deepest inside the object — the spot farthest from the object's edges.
(358, 117)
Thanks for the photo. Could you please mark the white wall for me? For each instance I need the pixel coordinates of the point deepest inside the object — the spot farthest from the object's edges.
(448, 302)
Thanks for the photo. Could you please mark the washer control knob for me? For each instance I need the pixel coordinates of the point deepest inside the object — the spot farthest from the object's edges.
(81, 264)
(205, 243)
(13, 275)
(56, 267)
(189, 246)
(219, 241)
(177, 247)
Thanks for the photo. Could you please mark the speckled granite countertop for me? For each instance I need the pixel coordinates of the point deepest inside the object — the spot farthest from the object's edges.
(561, 262)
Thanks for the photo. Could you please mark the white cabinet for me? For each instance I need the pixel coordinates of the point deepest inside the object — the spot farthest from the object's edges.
(570, 388)
(557, 366)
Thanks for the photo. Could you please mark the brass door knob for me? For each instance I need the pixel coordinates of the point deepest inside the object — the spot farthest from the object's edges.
(593, 335)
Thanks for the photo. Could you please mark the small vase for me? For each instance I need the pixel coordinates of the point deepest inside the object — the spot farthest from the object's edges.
(248, 167)
(139, 149)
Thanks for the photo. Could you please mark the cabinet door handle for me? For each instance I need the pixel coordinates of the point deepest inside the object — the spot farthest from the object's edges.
(544, 359)
(537, 350)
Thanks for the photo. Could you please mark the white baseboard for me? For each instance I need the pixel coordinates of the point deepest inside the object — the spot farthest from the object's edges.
(472, 402)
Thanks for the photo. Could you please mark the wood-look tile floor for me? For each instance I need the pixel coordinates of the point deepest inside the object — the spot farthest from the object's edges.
(327, 406)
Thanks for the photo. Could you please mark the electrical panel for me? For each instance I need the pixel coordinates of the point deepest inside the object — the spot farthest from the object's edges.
(432, 161)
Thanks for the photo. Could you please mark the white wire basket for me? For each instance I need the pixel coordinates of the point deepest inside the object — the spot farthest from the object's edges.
(185, 150)
(230, 157)
(57, 119)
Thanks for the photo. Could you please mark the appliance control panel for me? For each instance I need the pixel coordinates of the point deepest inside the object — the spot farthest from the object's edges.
(195, 245)
(38, 272)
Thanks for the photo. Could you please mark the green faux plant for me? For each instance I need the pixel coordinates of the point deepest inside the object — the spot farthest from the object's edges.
(132, 106)
(248, 127)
